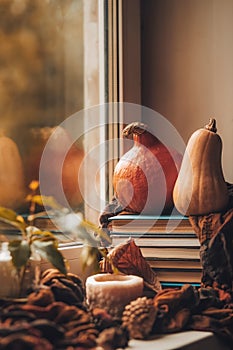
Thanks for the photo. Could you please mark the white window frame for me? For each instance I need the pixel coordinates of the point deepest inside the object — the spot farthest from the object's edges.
(117, 71)
(124, 62)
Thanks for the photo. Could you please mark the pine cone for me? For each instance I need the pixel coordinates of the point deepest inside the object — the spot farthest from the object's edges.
(139, 317)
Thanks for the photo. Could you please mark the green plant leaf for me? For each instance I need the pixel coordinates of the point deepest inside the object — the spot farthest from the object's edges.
(8, 214)
(20, 252)
(48, 250)
(12, 218)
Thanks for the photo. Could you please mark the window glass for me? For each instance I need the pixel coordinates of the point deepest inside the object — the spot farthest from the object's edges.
(41, 84)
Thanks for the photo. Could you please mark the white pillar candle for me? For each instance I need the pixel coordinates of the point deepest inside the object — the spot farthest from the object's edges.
(112, 291)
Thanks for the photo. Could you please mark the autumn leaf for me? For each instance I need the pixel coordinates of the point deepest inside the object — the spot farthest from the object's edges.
(128, 259)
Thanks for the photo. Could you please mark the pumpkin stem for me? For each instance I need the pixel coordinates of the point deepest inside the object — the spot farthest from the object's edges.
(134, 128)
(212, 125)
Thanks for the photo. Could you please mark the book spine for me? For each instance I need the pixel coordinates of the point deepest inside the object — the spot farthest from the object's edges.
(157, 234)
(146, 230)
(159, 242)
(177, 284)
(168, 252)
(174, 275)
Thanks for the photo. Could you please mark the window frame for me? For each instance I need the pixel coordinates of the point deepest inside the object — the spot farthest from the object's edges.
(118, 77)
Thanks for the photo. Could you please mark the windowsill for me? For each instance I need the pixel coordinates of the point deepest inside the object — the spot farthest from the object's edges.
(189, 340)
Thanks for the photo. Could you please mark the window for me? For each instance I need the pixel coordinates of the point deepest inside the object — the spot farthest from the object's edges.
(41, 81)
(61, 59)
(51, 67)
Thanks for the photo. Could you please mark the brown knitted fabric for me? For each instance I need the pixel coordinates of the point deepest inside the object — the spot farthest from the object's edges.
(206, 309)
(215, 233)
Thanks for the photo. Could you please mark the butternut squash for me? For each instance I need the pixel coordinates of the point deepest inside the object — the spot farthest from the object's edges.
(200, 187)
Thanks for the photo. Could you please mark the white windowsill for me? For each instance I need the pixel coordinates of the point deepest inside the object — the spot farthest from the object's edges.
(189, 340)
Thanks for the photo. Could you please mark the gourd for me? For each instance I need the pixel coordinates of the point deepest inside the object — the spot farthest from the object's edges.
(12, 187)
(144, 177)
(200, 187)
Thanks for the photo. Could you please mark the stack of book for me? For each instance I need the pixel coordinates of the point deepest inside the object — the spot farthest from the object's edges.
(168, 243)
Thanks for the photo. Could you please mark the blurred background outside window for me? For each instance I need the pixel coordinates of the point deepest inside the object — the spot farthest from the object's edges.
(45, 77)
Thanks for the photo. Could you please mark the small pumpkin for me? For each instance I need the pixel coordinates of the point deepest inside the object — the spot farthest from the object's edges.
(200, 187)
(144, 177)
(12, 186)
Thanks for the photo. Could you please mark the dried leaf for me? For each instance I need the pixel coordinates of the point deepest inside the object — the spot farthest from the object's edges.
(128, 258)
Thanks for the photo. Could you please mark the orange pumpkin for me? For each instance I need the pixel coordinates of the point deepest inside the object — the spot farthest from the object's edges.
(144, 177)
